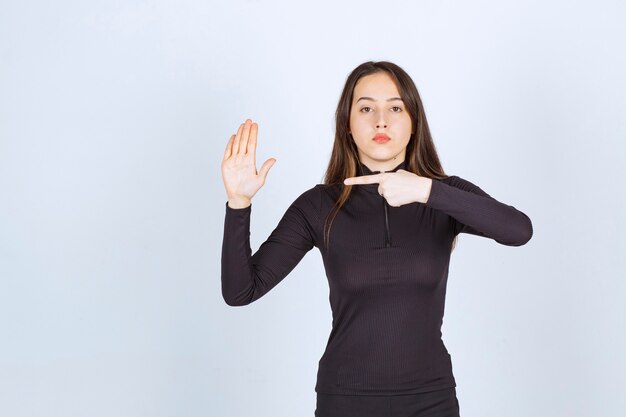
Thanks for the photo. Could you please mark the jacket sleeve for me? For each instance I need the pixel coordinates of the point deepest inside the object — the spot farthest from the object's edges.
(247, 277)
(475, 212)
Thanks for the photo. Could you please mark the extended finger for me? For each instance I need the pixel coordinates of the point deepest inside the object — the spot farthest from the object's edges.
(244, 137)
(229, 147)
(237, 139)
(254, 130)
(363, 179)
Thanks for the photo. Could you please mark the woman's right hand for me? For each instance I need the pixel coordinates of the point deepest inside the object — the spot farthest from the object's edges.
(239, 166)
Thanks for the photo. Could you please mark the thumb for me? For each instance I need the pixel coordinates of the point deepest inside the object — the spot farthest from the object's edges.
(265, 168)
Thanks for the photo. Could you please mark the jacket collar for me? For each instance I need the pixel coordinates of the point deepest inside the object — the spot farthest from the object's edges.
(362, 169)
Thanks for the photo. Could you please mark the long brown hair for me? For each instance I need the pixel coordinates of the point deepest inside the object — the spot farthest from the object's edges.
(421, 155)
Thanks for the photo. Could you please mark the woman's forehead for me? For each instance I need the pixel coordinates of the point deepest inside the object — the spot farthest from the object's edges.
(376, 89)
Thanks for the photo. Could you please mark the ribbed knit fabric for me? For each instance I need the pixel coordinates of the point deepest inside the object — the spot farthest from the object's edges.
(387, 270)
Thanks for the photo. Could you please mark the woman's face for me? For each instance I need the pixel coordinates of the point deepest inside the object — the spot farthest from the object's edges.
(377, 108)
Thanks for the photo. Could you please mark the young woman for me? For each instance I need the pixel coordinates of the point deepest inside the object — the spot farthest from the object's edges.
(385, 220)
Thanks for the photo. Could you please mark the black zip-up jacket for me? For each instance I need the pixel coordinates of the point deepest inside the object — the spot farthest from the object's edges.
(387, 270)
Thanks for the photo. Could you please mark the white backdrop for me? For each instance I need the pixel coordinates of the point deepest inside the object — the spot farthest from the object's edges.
(113, 121)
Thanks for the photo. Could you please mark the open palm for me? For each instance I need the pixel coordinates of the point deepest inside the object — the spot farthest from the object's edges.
(239, 172)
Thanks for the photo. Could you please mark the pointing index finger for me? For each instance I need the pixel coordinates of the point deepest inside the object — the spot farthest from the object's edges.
(362, 179)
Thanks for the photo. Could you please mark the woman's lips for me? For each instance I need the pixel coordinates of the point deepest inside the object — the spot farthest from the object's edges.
(381, 138)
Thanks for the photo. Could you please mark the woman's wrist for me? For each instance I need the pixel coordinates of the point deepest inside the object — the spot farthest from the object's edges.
(422, 189)
(427, 188)
(239, 202)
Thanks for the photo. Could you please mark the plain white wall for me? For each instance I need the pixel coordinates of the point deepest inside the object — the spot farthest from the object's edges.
(113, 121)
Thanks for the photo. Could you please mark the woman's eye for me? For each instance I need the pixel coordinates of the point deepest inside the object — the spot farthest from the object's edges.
(365, 108)
(397, 107)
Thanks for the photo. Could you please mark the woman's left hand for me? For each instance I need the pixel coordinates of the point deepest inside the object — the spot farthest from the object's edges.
(398, 188)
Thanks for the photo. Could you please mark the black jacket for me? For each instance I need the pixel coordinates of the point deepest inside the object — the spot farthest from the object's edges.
(387, 270)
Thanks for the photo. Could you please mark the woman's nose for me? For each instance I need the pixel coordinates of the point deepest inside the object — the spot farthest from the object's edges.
(381, 121)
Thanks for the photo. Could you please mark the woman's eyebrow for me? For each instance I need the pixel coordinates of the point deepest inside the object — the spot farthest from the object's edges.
(369, 98)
